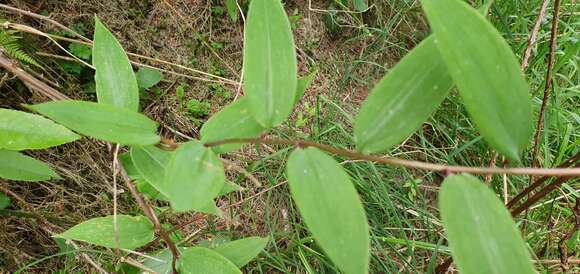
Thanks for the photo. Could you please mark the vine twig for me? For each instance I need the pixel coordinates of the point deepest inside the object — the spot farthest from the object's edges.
(548, 86)
(151, 215)
(555, 172)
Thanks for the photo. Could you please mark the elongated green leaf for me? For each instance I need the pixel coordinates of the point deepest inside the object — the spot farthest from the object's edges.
(151, 162)
(403, 99)
(194, 176)
(20, 130)
(241, 252)
(19, 167)
(102, 121)
(486, 72)
(147, 77)
(303, 84)
(114, 78)
(269, 63)
(234, 121)
(331, 208)
(200, 260)
(482, 235)
(134, 232)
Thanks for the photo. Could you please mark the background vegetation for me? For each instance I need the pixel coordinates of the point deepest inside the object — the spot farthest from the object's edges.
(351, 52)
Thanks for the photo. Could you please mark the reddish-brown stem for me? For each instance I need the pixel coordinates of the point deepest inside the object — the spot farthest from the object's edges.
(548, 86)
(570, 162)
(541, 194)
(151, 215)
(557, 172)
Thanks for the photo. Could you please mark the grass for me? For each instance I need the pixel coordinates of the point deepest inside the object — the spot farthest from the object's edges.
(401, 204)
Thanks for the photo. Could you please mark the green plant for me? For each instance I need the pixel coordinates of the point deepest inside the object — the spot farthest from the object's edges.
(9, 44)
(464, 51)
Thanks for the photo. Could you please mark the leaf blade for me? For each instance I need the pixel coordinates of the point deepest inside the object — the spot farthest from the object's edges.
(403, 99)
(19, 167)
(148, 77)
(114, 78)
(269, 62)
(200, 260)
(101, 121)
(20, 130)
(134, 232)
(234, 121)
(194, 177)
(242, 251)
(482, 235)
(331, 208)
(151, 162)
(486, 73)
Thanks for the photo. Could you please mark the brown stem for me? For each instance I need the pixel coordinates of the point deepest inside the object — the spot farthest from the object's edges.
(562, 244)
(30, 80)
(557, 172)
(570, 162)
(151, 215)
(548, 87)
(541, 194)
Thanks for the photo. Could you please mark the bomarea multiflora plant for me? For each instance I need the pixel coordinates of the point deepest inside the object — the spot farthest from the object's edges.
(464, 51)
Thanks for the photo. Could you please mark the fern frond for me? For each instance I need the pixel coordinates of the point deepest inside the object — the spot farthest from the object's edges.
(9, 44)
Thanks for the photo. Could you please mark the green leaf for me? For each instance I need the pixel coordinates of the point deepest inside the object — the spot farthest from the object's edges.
(482, 235)
(241, 252)
(19, 167)
(229, 187)
(143, 186)
(269, 63)
(4, 200)
(20, 130)
(403, 99)
(303, 84)
(234, 121)
(232, 7)
(163, 263)
(200, 260)
(151, 162)
(115, 81)
(102, 121)
(331, 208)
(134, 232)
(360, 5)
(194, 176)
(486, 72)
(147, 77)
